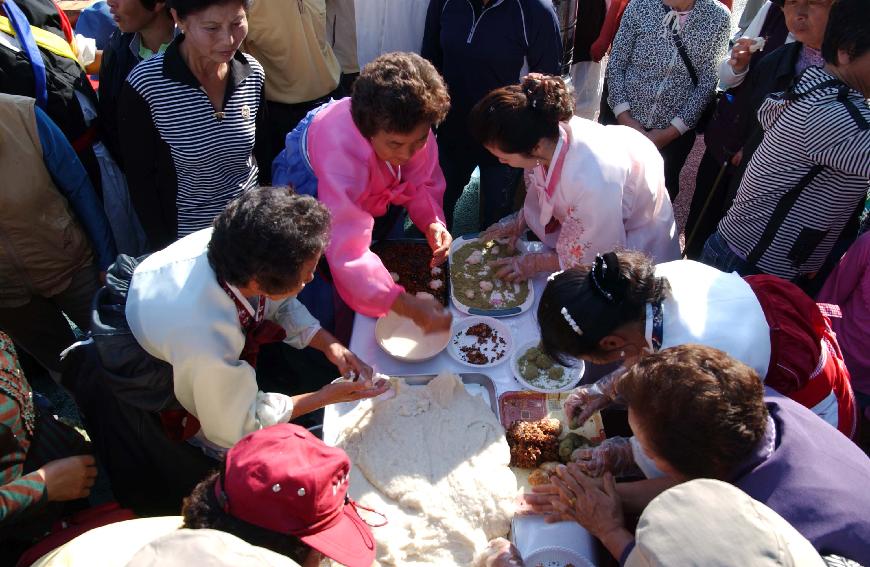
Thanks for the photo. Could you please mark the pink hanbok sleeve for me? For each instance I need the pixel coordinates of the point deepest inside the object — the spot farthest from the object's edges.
(359, 275)
(424, 173)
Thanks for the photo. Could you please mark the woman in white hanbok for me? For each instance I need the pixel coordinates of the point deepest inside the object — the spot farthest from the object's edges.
(590, 188)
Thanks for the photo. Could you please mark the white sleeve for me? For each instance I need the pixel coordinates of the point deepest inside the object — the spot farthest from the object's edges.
(218, 388)
(297, 321)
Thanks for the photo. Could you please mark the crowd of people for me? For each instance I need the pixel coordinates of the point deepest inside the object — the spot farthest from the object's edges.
(191, 193)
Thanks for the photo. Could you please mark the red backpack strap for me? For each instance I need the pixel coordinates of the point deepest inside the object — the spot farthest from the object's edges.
(65, 25)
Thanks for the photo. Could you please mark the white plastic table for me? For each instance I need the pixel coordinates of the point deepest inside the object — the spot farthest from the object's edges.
(531, 532)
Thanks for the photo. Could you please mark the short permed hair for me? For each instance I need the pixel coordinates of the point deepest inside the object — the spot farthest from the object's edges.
(266, 235)
(702, 411)
(186, 7)
(201, 510)
(515, 118)
(397, 92)
(848, 30)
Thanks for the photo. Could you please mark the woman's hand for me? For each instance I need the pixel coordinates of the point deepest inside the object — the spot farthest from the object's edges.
(348, 391)
(541, 500)
(340, 356)
(626, 119)
(596, 507)
(522, 268)
(70, 478)
(439, 241)
(661, 137)
(426, 313)
(511, 227)
(741, 53)
(613, 455)
(349, 364)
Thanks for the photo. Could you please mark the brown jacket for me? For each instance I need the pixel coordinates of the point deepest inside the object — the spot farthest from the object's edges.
(42, 244)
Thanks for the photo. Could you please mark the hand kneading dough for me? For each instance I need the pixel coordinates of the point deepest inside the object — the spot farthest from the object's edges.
(434, 461)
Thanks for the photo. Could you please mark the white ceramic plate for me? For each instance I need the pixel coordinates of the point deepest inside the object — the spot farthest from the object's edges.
(457, 302)
(400, 338)
(554, 556)
(571, 377)
(460, 339)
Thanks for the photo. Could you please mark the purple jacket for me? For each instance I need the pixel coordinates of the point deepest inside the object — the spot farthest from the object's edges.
(817, 479)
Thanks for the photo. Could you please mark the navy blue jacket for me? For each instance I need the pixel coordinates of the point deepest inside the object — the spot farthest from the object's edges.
(479, 49)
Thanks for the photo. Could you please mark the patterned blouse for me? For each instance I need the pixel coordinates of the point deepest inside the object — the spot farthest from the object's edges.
(646, 74)
(17, 422)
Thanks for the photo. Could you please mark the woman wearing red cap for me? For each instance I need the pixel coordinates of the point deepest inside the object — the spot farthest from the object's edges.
(273, 492)
(280, 488)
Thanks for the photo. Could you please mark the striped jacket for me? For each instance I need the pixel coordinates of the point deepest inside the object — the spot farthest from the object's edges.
(646, 74)
(19, 493)
(184, 160)
(806, 179)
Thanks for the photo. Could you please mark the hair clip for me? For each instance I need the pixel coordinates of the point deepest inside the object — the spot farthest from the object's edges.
(570, 320)
(598, 270)
(553, 276)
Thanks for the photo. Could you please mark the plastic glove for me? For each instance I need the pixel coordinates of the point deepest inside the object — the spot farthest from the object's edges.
(613, 455)
(500, 553)
(521, 268)
(586, 400)
(511, 227)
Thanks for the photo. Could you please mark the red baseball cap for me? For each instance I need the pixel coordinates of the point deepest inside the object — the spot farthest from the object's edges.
(284, 479)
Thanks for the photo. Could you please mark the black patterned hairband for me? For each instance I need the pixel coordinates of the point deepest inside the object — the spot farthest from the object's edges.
(599, 273)
(602, 271)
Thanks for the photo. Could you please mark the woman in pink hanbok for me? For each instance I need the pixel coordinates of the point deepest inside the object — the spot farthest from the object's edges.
(365, 157)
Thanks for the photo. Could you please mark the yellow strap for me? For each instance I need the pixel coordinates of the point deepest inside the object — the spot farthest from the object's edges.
(44, 39)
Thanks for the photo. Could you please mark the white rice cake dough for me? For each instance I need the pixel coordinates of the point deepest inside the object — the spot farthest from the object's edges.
(434, 461)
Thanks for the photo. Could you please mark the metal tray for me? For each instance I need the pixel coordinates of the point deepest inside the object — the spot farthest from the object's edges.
(466, 377)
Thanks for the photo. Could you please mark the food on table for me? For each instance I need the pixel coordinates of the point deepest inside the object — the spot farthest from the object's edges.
(408, 264)
(542, 474)
(541, 371)
(534, 442)
(471, 271)
(401, 338)
(488, 347)
(434, 460)
(571, 442)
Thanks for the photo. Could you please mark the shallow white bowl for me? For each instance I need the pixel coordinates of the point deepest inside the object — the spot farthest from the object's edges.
(459, 339)
(575, 372)
(400, 338)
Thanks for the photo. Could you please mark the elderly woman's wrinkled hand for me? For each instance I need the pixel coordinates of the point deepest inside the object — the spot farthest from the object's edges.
(540, 500)
(595, 506)
(347, 362)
